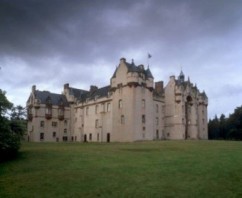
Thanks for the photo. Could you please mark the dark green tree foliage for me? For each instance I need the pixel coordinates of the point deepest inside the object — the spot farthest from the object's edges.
(10, 130)
(226, 128)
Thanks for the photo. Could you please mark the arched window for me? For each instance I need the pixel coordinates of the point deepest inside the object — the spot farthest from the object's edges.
(120, 104)
(157, 108)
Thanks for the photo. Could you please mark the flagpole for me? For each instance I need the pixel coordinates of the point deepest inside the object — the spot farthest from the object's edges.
(148, 57)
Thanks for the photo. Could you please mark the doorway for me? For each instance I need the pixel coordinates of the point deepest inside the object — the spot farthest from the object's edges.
(108, 137)
(85, 138)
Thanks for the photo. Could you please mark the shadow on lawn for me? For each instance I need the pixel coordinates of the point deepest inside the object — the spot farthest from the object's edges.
(7, 157)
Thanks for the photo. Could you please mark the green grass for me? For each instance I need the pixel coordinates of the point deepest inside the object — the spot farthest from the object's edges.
(144, 169)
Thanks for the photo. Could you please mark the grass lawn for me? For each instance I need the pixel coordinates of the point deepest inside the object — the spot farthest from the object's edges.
(143, 169)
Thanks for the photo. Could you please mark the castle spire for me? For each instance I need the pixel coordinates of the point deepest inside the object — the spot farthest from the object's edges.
(181, 77)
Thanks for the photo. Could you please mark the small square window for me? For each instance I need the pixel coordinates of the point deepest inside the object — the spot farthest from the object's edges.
(42, 123)
(54, 124)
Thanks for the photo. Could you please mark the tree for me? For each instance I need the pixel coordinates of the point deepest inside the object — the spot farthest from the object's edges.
(222, 127)
(9, 139)
(18, 122)
(226, 128)
(18, 113)
(4, 104)
(213, 128)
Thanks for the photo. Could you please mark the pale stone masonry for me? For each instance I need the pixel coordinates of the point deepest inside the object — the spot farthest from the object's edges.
(131, 108)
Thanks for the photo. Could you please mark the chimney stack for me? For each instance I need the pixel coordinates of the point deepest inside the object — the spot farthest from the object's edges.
(66, 86)
(33, 88)
(93, 88)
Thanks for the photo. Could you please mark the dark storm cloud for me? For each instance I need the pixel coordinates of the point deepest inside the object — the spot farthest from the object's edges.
(59, 41)
(84, 29)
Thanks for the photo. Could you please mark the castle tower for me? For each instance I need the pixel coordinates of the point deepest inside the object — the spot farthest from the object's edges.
(132, 90)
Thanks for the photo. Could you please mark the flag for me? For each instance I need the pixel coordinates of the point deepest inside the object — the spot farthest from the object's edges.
(149, 56)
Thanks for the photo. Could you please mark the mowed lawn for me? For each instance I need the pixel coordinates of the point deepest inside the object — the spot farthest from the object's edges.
(141, 169)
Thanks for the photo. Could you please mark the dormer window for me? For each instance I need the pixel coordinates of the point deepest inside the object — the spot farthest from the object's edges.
(61, 113)
(48, 108)
(61, 110)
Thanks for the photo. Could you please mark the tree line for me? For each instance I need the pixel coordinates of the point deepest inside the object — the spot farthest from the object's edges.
(12, 127)
(226, 128)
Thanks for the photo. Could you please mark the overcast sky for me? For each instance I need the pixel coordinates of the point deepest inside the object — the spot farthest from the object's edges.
(52, 42)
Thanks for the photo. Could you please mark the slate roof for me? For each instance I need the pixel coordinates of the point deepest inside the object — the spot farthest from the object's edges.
(77, 92)
(148, 73)
(42, 96)
(133, 68)
(204, 95)
(101, 92)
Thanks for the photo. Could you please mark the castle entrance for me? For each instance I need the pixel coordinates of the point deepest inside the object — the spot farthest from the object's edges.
(187, 115)
(108, 137)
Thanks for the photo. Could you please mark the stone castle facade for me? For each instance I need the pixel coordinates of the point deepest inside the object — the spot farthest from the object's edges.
(131, 108)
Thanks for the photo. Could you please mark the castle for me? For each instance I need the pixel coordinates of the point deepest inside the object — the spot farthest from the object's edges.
(131, 108)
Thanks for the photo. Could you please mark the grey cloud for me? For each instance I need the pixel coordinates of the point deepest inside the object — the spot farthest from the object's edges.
(70, 38)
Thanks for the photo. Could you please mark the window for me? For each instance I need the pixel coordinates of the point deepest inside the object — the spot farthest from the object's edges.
(143, 103)
(108, 107)
(90, 136)
(54, 134)
(98, 137)
(157, 120)
(61, 112)
(157, 108)
(120, 88)
(96, 109)
(65, 130)
(96, 123)
(143, 118)
(54, 124)
(65, 122)
(48, 110)
(42, 136)
(42, 123)
(120, 104)
(157, 134)
(87, 109)
(163, 109)
(103, 107)
(122, 119)
(143, 128)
